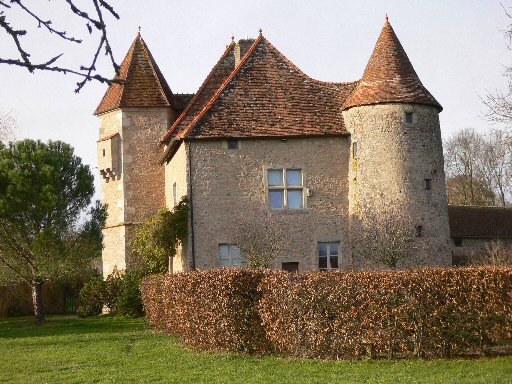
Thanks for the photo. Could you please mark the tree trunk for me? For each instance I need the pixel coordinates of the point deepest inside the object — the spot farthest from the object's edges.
(37, 300)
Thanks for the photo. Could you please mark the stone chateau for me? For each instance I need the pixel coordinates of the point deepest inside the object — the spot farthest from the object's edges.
(261, 144)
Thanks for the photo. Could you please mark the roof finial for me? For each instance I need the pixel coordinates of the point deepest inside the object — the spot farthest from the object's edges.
(387, 19)
(232, 37)
(261, 31)
(139, 29)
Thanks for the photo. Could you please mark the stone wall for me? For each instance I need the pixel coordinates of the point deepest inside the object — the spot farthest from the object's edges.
(138, 190)
(393, 161)
(472, 250)
(176, 187)
(229, 192)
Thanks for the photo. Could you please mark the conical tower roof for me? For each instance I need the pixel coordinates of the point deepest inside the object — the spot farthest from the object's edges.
(389, 76)
(143, 83)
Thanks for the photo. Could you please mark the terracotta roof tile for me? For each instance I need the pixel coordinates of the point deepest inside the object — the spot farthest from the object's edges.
(389, 76)
(266, 95)
(482, 222)
(143, 83)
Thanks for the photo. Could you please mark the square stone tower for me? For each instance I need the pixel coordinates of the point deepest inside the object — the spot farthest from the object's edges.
(134, 113)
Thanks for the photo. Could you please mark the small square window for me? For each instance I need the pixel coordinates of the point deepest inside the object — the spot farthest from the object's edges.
(285, 188)
(291, 266)
(427, 184)
(233, 144)
(419, 230)
(409, 118)
(457, 242)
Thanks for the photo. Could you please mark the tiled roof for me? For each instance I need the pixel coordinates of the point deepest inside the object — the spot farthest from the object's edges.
(482, 222)
(181, 100)
(266, 95)
(143, 84)
(211, 84)
(389, 76)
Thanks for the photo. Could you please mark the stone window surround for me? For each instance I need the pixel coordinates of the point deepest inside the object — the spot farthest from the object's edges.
(305, 189)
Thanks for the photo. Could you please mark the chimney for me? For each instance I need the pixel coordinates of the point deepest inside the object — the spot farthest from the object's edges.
(241, 49)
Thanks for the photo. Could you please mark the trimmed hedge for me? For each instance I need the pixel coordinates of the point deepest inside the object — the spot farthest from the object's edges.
(424, 312)
(215, 309)
(152, 290)
(394, 314)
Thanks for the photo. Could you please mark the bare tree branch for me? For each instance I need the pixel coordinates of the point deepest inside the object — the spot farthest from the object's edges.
(87, 73)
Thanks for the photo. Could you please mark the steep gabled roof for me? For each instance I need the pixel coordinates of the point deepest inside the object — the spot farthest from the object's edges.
(481, 222)
(266, 95)
(389, 76)
(143, 85)
(211, 84)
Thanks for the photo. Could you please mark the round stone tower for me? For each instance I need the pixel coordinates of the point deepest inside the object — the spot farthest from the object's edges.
(396, 177)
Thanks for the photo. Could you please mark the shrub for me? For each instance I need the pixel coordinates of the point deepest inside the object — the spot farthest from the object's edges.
(129, 301)
(112, 291)
(90, 299)
(119, 293)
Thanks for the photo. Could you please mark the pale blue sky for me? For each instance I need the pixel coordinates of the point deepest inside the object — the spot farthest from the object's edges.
(456, 46)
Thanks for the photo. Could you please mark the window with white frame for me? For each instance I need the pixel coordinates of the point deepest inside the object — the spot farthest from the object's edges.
(229, 255)
(285, 188)
(328, 255)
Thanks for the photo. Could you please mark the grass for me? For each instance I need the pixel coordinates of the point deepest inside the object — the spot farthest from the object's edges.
(124, 350)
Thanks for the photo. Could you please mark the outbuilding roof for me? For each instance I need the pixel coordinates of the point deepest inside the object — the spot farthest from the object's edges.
(480, 222)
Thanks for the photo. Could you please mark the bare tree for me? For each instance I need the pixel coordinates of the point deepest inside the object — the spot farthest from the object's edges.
(496, 253)
(496, 164)
(260, 241)
(478, 168)
(384, 237)
(7, 127)
(499, 104)
(462, 154)
(461, 191)
(93, 21)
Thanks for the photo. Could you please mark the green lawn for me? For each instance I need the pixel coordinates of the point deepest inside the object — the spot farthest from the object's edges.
(124, 350)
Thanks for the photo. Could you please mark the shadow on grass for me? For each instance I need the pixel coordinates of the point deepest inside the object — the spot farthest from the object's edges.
(23, 327)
